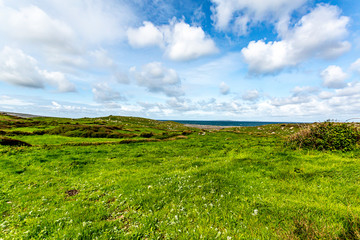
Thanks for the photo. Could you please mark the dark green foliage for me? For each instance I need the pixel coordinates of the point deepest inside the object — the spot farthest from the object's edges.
(87, 131)
(39, 132)
(18, 133)
(351, 229)
(186, 132)
(12, 142)
(167, 135)
(326, 136)
(146, 134)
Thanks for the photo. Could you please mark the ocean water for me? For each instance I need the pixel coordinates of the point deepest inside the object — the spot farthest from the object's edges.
(227, 123)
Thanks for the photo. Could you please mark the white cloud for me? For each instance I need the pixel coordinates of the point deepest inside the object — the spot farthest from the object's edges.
(17, 68)
(340, 104)
(157, 78)
(334, 77)
(355, 66)
(325, 95)
(180, 104)
(304, 90)
(251, 95)
(104, 93)
(242, 13)
(63, 31)
(293, 100)
(318, 34)
(187, 43)
(59, 80)
(102, 60)
(224, 88)
(32, 24)
(10, 101)
(181, 41)
(94, 21)
(71, 108)
(145, 36)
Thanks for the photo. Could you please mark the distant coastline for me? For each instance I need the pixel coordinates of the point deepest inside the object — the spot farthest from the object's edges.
(225, 123)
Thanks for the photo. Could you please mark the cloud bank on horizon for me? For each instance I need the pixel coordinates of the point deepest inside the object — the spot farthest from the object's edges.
(215, 59)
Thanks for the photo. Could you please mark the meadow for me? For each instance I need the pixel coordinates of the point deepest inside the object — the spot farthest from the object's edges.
(134, 178)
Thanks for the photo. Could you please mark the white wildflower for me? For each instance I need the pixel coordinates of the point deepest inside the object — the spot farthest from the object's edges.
(255, 212)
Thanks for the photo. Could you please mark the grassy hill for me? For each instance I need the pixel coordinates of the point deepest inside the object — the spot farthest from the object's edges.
(135, 178)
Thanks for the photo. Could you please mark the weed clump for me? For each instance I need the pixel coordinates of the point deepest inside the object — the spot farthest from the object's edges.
(326, 136)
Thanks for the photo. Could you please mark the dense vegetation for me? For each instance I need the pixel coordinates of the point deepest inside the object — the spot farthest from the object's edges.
(144, 179)
(327, 136)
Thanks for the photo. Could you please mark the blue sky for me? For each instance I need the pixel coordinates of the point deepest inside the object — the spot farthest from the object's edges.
(260, 60)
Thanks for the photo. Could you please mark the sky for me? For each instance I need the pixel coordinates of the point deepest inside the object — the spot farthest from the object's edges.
(242, 60)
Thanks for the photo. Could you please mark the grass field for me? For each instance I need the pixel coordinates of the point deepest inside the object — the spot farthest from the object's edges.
(145, 179)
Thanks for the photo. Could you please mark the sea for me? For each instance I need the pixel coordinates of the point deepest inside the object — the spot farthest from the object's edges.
(227, 123)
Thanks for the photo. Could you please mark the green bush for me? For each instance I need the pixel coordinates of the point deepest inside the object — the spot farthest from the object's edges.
(146, 134)
(39, 132)
(13, 142)
(326, 136)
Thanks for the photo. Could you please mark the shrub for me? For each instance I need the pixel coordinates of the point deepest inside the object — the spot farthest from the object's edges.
(17, 133)
(326, 136)
(39, 132)
(186, 132)
(146, 134)
(13, 142)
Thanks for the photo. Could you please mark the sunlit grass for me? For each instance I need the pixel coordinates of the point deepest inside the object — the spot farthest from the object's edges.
(240, 183)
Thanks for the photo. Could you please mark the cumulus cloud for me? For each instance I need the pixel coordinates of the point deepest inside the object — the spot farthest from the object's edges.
(32, 24)
(103, 93)
(20, 69)
(311, 103)
(224, 88)
(185, 106)
(355, 66)
(69, 108)
(157, 78)
(334, 77)
(180, 41)
(94, 21)
(59, 80)
(318, 34)
(240, 14)
(300, 95)
(251, 95)
(292, 100)
(187, 42)
(180, 104)
(145, 36)
(63, 31)
(304, 103)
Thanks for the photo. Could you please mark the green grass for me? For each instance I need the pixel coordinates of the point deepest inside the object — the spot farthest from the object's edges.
(239, 183)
